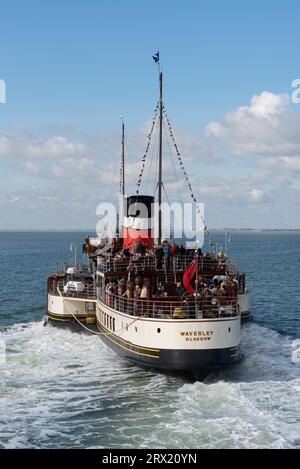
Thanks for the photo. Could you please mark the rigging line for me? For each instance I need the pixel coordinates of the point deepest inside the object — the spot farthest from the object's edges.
(155, 185)
(173, 164)
(183, 169)
(102, 333)
(166, 193)
(151, 160)
(130, 164)
(147, 148)
(90, 330)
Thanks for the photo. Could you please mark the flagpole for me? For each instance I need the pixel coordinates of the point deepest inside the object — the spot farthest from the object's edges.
(156, 59)
(122, 176)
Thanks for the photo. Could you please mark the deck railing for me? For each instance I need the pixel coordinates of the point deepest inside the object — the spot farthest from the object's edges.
(123, 263)
(63, 288)
(160, 308)
(177, 263)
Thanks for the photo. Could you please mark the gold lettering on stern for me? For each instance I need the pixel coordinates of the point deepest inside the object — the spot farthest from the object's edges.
(191, 336)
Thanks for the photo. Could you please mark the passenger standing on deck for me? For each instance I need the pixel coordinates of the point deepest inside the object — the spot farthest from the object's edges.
(110, 291)
(174, 249)
(159, 256)
(182, 250)
(198, 252)
(167, 255)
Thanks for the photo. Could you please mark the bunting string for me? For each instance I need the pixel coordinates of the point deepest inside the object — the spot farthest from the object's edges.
(181, 165)
(147, 148)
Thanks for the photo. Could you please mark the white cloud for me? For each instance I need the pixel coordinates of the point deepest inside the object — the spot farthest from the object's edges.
(287, 164)
(266, 105)
(14, 145)
(54, 147)
(256, 195)
(57, 172)
(268, 126)
(32, 168)
(68, 179)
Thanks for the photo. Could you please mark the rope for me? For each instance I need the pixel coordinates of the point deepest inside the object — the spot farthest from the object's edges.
(101, 333)
(147, 148)
(84, 327)
(154, 146)
(183, 169)
(173, 165)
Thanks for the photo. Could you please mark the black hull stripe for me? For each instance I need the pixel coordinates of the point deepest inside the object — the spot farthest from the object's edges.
(177, 360)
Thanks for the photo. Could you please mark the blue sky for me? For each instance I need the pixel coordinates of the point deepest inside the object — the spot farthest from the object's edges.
(72, 67)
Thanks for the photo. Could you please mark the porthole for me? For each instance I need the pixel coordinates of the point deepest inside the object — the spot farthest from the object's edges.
(158, 330)
(135, 329)
(229, 329)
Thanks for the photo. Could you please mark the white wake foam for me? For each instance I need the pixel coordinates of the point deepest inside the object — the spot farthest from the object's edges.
(64, 389)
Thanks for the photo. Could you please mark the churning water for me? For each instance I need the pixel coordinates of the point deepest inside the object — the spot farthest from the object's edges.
(63, 389)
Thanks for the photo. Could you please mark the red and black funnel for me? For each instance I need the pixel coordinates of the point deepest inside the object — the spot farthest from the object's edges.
(138, 221)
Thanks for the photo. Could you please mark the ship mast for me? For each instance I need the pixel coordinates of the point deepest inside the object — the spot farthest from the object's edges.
(122, 180)
(122, 173)
(160, 183)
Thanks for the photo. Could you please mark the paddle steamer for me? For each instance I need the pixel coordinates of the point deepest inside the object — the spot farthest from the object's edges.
(71, 293)
(156, 302)
(160, 304)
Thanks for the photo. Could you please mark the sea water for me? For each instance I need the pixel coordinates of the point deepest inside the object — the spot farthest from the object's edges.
(62, 389)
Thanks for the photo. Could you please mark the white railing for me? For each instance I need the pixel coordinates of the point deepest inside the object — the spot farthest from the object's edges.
(64, 288)
(116, 264)
(160, 308)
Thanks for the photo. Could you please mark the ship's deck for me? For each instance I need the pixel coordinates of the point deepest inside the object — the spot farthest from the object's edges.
(152, 285)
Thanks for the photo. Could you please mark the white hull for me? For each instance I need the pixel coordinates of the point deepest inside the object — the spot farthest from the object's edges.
(63, 309)
(186, 344)
(244, 305)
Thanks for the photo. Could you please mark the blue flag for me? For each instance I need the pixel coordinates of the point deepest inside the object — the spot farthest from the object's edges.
(156, 57)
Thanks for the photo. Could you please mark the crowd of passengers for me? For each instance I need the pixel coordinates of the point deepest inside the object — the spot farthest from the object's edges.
(165, 254)
(208, 290)
(219, 286)
(128, 296)
(140, 250)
